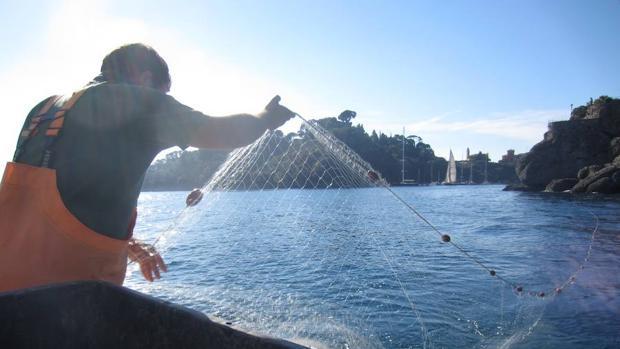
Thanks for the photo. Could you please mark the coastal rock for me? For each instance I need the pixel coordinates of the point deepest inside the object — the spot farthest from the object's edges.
(583, 173)
(578, 113)
(602, 185)
(608, 113)
(615, 178)
(586, 146)
(588, 170)
(583, 186)
(614, 147)
(560, 185)
(568, 146)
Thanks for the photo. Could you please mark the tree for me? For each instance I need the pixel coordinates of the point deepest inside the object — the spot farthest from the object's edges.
(373, 137)
(346, 116)
(414, 137)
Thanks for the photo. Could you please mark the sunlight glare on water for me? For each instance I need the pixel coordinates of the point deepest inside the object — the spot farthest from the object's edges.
(338, 267)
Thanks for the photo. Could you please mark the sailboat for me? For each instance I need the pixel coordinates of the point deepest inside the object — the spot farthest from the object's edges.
(431, 176)
(451, 171)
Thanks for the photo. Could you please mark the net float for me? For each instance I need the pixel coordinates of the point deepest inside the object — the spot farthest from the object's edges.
(194, 197)
(373, 176)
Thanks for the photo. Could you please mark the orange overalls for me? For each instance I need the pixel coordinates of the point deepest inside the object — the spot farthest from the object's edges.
(41, 242)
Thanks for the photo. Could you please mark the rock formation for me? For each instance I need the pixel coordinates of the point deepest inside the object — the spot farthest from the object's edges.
(581, 154)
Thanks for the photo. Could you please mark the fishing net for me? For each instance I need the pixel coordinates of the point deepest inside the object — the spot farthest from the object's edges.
(298, 237)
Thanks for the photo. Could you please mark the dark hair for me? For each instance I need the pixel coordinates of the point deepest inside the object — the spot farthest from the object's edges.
(127, 61)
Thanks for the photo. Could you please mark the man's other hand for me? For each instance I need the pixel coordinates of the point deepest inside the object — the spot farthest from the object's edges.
(149, 259)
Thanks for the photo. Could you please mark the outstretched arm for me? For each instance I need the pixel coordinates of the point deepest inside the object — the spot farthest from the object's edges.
(168, 122)
(238, 130)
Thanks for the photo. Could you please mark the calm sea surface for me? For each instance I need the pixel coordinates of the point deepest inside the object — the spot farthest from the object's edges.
(352, 268)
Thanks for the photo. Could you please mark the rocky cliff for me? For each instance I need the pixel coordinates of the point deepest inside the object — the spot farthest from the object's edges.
(581, 154)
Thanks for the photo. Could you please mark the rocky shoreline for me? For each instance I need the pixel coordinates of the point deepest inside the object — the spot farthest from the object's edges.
(580, 155)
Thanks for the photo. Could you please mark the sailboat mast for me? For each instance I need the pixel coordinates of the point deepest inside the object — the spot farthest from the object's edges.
(403, 167)
(486, 180)
(447, 180)
(462, 169)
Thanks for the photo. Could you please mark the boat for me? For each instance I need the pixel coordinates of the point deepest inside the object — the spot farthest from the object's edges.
(486, 178)
(95, 314)
(451, 171)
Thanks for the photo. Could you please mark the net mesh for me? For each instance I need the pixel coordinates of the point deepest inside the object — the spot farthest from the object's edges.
(298, 237)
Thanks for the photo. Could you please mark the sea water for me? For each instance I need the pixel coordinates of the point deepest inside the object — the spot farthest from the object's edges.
(353, 268)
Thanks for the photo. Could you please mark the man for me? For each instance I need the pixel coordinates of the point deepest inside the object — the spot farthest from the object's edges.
(68, 199)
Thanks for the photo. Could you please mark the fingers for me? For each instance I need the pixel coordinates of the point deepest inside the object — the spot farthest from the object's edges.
(160, 263)
(275, 114)
(146, 271)
(155, 270)
(150, 266)
(282, 117)
(273, 103)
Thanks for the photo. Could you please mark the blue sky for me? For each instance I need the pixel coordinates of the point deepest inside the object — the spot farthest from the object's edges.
(487, 75)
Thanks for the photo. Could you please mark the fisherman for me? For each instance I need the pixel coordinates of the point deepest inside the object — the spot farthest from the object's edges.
(68, 199)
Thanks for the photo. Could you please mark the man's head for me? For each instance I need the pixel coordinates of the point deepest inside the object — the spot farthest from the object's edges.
(136, 64)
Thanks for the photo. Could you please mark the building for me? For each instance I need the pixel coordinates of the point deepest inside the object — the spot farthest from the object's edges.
(509, 157)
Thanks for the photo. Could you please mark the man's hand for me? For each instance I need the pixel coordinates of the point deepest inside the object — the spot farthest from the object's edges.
(275, 115)
(149, 259)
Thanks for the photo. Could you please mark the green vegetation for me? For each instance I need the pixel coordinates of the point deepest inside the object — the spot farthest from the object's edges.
(183, 170)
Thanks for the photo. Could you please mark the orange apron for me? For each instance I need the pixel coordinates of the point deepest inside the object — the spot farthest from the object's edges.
(41, 242)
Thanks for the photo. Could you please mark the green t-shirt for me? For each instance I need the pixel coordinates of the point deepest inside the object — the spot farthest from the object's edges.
(108, 141)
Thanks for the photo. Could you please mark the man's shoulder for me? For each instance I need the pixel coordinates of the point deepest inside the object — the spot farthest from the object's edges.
(125, 99)
(123, 89)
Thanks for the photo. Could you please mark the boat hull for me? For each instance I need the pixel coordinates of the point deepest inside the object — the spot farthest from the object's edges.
(92, 314)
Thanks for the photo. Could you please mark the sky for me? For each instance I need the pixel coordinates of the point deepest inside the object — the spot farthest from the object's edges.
(488, 75)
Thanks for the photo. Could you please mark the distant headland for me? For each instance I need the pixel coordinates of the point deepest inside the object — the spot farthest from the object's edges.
(184, 170)
(580, 155)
